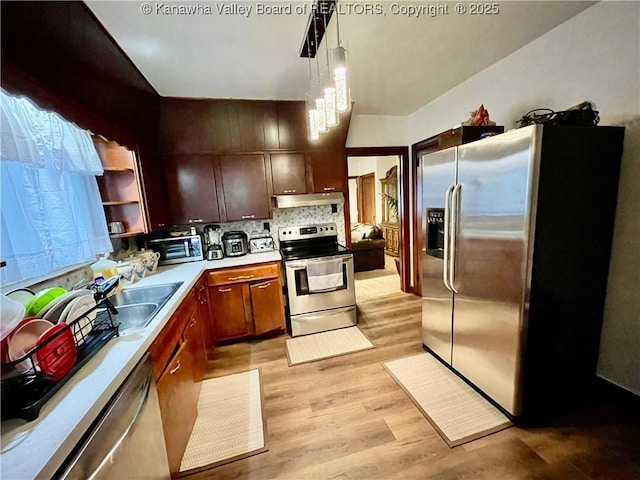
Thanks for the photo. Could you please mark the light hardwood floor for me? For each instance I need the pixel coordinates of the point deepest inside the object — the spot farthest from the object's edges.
(346, 418)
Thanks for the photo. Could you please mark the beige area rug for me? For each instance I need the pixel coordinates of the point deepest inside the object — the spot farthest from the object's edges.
(457, 412)
(230, 423)
(320, 346)
(375, 284)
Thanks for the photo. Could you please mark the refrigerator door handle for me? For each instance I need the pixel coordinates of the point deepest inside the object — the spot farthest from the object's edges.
(447, 236)
(455, 217)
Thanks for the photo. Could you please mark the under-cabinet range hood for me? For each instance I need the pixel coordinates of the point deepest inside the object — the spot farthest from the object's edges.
(307, 200)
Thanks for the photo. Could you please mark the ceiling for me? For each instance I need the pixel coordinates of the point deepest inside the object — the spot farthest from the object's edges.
(397, 63)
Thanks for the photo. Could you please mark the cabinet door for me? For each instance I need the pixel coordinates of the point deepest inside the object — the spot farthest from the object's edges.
(244, 187)
(267, 306)
(192, 189)
(194, 337)
(228, 311)
(329, 170)
(289, 173)
(178, 405)
(206, 321)
(152, 176)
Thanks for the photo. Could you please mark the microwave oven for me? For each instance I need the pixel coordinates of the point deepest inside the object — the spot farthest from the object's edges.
(177, 249)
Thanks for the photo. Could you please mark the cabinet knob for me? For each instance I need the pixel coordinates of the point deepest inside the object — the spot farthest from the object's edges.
(175, 369)
(161, 225)
(264, 286)
(290, 191)
(329, 189)
(224, 290)
(245, 217)
(195, 220)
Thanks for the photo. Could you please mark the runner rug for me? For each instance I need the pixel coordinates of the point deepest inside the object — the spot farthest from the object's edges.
(457, 412)
(230, 423)
(319, 346)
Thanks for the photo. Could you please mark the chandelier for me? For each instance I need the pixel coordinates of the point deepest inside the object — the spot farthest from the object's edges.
(328, 94)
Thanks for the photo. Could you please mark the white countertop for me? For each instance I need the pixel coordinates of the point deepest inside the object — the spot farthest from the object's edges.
(38, 448)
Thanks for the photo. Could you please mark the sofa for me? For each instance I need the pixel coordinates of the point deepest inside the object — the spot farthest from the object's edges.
(368, 245)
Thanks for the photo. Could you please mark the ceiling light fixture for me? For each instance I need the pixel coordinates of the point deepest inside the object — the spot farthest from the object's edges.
(318, 90)
(329, 90)
(331, 108)
(312, 123)
(340, 71)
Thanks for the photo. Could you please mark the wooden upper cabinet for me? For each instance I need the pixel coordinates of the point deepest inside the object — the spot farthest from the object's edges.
(192, 188)
(329, 171)
(154, 183)
(244, 187)
(289, 173)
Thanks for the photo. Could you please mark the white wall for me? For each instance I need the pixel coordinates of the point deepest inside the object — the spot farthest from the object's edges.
(377, 131)
(593, 56)
(361, 166)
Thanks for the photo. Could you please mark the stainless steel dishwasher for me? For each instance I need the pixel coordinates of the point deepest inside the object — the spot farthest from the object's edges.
(126, 442)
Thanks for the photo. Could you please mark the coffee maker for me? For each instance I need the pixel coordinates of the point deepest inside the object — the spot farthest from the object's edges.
(212, 240)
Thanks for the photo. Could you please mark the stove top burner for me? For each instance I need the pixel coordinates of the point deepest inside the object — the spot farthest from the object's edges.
(305, 252)
(310, 241)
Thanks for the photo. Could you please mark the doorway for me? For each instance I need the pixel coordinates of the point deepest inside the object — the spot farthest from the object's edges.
(385, 159)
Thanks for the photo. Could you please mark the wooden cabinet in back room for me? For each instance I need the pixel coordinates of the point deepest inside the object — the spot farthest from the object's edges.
(243, 192)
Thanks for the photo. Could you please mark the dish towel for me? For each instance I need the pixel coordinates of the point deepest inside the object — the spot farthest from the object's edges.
(324, 275)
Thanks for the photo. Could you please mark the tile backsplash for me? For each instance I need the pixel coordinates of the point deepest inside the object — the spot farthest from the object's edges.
(282, 217)
(286, 217)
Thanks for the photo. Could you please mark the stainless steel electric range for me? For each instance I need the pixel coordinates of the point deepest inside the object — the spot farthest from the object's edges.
(319, 279)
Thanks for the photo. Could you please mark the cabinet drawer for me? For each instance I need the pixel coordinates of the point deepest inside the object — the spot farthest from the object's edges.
(243, 274)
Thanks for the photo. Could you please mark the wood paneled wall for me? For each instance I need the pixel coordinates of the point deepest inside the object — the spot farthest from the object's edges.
(192, 126)
(58, 54)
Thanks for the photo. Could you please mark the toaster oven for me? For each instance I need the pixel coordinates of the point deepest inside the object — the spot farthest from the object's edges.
(177, 249)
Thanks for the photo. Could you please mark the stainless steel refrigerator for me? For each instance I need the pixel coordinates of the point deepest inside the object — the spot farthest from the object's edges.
(517, 235)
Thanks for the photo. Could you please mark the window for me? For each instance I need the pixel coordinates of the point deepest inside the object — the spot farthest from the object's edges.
(50, 206)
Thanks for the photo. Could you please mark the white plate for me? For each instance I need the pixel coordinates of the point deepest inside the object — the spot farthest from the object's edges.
(54, 309)
(74, 310)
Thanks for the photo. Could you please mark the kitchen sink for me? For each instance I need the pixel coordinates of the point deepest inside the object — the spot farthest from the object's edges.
(138, 306)
(135, 316)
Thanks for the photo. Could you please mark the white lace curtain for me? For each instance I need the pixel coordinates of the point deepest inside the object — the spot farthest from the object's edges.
(51, 210)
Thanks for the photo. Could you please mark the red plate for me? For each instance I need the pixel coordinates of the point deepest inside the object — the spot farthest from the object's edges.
(56, 357)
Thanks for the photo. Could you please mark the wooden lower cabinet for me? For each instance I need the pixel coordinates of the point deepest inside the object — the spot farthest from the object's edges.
(178, 356)
(178, 405)
(228, 311)
(208, 331)
(246, 301)
(266, 304)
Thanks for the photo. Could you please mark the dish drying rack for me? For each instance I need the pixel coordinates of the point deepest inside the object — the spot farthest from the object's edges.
(27, 389)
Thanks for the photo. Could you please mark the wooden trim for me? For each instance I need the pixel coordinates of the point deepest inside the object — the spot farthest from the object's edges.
(403, 210)
(125, 55)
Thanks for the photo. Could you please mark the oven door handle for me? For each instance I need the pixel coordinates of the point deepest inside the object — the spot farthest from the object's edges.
(345, 259)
